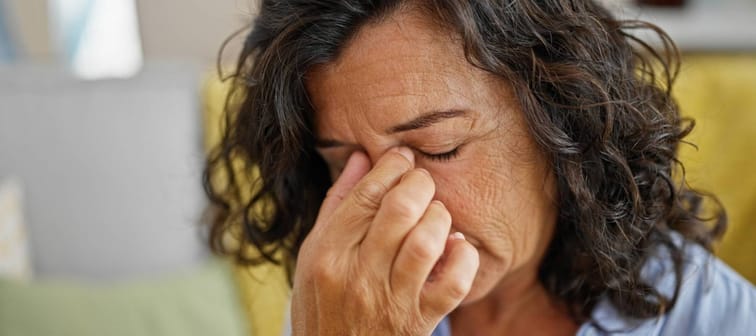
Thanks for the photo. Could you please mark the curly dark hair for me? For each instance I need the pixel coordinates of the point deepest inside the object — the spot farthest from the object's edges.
(597, 100)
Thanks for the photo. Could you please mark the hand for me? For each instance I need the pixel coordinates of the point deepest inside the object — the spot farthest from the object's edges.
(364, 268)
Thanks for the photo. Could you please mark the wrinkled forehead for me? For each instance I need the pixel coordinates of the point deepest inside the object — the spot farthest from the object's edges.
(394, 70)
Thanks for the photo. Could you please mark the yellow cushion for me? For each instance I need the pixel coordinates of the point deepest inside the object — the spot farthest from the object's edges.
(265, 294)
(264, 288)
(719, 91)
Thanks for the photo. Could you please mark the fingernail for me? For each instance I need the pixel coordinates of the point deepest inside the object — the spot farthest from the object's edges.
(406, 152)
(457, 236)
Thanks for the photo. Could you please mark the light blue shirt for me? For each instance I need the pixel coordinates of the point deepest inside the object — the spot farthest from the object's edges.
(713, 300)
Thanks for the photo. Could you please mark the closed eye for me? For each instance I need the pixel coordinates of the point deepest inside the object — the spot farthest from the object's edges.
(441, 157)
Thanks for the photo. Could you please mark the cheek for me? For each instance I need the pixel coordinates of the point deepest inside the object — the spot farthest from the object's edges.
(447, 179)
(505, 212)
(474, 208)
(471, 200)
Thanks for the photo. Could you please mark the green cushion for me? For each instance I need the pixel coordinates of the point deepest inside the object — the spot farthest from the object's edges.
(202, 302)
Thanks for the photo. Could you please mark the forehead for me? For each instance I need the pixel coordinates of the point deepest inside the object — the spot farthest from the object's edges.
(391, 71)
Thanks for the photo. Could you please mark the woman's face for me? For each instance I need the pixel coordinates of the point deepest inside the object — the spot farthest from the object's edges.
(406, 82)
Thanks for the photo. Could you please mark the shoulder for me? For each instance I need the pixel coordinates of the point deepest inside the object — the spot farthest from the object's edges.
(713, 300)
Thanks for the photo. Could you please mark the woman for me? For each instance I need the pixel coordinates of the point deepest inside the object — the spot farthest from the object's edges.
(498, 167)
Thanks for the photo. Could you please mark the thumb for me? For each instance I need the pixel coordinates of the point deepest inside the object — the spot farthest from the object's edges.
(356, 167)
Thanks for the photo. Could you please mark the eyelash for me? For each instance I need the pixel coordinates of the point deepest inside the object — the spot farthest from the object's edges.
(442, 157)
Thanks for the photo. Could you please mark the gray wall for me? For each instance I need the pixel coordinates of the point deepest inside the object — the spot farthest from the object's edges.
(111, 169)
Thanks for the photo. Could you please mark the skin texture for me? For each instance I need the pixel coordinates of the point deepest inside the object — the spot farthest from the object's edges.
(498, 190)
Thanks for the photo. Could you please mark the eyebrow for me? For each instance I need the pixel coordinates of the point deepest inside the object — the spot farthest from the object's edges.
(426, 120)
(423, 121)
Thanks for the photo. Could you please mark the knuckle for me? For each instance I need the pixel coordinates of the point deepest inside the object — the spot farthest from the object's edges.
(369, 193)
(402, 205)
(446, 298)
(420, 248)
(321, 273)
(440, 213)
(333, 192)
(457, 290)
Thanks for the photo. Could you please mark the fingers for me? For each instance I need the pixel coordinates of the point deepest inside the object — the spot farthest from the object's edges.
(369, 192)
(400, 210)
(452, 280)
(356, 167)
(421, 249)
(358, 207)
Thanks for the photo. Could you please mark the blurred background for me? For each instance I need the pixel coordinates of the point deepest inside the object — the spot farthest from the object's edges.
(107, 108)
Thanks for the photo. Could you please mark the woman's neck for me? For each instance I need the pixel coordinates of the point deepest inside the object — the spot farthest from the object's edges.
(520, 306)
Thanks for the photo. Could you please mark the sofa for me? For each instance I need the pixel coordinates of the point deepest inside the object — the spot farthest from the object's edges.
(100, 206)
